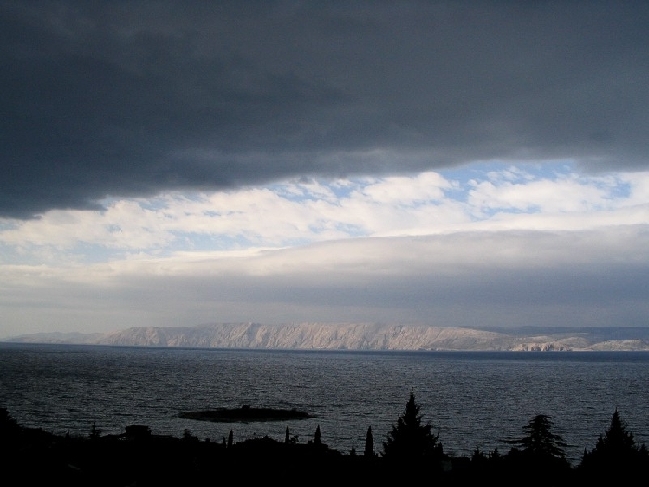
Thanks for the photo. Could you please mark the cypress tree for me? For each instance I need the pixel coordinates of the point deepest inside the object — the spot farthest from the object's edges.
(369, 443)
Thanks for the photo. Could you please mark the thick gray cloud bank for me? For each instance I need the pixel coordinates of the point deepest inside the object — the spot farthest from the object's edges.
(133, 98)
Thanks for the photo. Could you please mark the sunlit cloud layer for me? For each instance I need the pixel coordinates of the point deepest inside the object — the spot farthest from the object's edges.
(426, 248)
(302, 212)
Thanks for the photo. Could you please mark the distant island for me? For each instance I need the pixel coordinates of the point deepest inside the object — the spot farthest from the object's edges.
(360, 337)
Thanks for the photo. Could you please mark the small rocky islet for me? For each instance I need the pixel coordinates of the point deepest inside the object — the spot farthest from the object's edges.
(244, 414)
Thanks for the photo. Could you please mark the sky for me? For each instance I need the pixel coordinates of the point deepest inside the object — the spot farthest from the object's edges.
(474, 164)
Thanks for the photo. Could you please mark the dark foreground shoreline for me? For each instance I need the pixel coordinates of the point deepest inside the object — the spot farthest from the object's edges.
(138, 458)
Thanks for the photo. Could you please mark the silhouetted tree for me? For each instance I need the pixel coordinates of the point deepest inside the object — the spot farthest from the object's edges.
(615, 450)
(9, 428)
(539, 440)
(540, 448)
(94, 432)
(479, 460)
(230, 439)
(369, 443)
(617, 438)
(188, 436)
(317, 437)
(286, 438)
(411, 440)
(6, 421)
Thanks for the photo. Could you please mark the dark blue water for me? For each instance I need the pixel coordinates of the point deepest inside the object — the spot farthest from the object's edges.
(472, 399)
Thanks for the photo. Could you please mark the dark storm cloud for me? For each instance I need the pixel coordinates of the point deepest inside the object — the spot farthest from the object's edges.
(131, 98)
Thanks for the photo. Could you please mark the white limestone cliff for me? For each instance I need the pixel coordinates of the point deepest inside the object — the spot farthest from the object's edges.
(355, 336)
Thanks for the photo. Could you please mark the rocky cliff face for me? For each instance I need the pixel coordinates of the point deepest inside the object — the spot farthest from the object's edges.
(313, 336)
(353, 336)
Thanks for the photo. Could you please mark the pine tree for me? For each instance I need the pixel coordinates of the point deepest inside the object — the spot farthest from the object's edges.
(616, 449)
(539, 441)
(317, 437)
(539, 450)
(409, 439)
(616, 440)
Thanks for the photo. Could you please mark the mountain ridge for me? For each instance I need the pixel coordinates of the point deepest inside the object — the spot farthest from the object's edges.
(358, 336)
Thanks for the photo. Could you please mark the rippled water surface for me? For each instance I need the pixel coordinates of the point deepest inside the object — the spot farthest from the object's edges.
(473, 399)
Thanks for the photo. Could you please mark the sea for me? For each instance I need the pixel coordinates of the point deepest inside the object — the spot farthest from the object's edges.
(473, 400)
